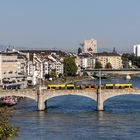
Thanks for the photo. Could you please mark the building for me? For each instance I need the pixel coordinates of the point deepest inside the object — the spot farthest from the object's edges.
(90, 46)
(136, 50)
(57, 63)
(43, 62)
(87, 61)
(12, 67)
(113, 58)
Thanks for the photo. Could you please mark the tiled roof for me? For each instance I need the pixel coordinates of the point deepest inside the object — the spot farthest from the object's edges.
(45, 52)
(107, 54)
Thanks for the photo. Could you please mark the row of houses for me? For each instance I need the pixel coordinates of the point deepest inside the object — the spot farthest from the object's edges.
(33, 65)
(88, 60)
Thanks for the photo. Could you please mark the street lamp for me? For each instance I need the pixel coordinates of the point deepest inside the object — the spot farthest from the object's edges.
(100, 81)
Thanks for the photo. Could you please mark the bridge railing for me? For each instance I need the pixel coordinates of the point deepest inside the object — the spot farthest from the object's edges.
(133, 90)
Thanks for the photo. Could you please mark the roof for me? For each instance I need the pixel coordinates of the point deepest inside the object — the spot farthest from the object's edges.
(20, 56)
(45, 52)
(86, 55)
(108, 54)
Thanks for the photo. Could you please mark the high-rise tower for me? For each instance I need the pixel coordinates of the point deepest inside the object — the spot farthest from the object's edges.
(90, 46)
(136, 50)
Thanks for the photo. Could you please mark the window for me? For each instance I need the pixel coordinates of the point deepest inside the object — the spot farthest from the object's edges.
(10, 72)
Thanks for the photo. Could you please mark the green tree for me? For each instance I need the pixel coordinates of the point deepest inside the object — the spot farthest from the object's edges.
(126, 57)
(126, 64)
(108, 65)
(114, 50)
(79, 50)
(70, 67)
(98, 65)
(52, 73)
(7, 132)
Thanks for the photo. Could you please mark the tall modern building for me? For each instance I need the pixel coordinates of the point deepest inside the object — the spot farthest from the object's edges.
(136, 50)
(90, 46)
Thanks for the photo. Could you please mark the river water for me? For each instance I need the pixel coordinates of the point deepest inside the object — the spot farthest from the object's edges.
(76, 118)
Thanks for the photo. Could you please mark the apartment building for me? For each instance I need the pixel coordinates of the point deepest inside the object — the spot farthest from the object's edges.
(87, 60)
(41, 63)
(113, 58)
(12, 67)
(57, 64)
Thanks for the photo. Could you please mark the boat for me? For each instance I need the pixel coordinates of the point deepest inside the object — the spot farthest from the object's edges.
(8, 101)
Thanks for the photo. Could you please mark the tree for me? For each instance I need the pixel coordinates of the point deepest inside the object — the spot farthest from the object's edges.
(79, 50)
(114, 50)
(126, 57)
(108, 65)
(126, 64)
(98, 65)
(6, 131)
(70, 67)
(52, 73)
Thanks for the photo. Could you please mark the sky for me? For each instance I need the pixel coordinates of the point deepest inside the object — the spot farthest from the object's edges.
(64, 24)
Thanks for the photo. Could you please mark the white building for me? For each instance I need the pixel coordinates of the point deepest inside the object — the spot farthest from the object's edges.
(12, 67)
(57, 64)
(87, 61)
(136, 50)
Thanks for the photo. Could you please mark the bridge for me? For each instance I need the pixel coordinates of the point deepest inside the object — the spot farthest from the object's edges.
(126, 72)
(114, 71)
(42, 95)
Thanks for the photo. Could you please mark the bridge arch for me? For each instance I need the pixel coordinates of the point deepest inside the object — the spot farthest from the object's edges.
(108, 96)
(70, 103)
(89, 95)
(125, 102)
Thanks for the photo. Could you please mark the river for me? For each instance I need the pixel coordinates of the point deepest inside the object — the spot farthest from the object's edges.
(75, 118)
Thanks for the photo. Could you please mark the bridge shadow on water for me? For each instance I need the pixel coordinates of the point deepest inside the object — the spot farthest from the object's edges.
(25, 105)
(71, 103)
(123, 103)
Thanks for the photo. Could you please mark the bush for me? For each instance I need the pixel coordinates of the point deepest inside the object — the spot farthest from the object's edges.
(7, 132)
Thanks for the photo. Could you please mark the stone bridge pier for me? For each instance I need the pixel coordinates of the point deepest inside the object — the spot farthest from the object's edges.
(100, 103)
(40, 102)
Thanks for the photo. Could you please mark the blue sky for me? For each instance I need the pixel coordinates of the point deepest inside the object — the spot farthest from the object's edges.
(64, 24)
